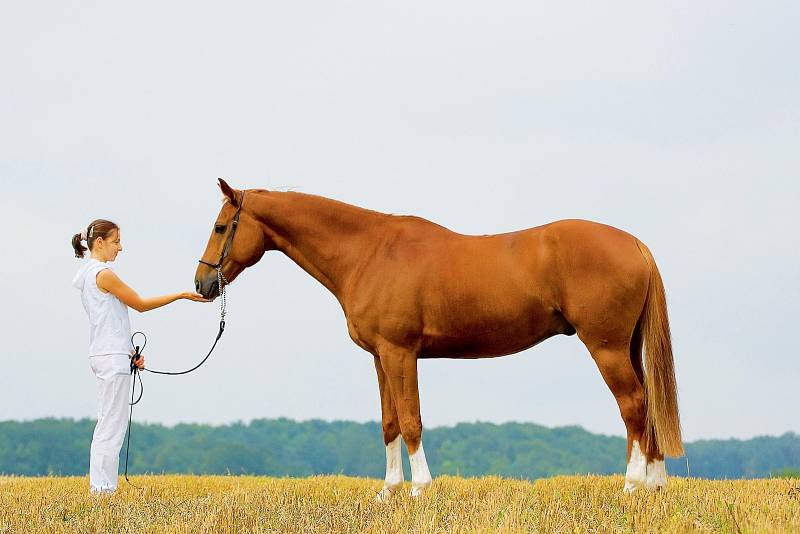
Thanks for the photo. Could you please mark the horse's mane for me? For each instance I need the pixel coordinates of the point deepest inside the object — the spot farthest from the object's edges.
(281, 188)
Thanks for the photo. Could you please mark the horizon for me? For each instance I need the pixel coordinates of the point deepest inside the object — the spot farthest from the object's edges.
(378, 423)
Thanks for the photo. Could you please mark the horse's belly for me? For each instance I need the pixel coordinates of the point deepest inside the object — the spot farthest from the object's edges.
(487, 340)
(477, 348)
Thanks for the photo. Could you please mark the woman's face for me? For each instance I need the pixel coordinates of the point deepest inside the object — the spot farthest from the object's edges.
(107, 249)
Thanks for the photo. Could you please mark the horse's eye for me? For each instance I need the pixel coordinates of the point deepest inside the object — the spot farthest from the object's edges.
(219, 228)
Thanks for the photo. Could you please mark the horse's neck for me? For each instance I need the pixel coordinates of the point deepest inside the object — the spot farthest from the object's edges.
(326, 238)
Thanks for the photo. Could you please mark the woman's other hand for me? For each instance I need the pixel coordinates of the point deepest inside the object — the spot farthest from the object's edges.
(138, 363)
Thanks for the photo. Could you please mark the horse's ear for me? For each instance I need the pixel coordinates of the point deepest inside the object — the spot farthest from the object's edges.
(228, 192)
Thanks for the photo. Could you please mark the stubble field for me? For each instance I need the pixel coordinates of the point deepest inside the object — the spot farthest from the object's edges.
(342, 504)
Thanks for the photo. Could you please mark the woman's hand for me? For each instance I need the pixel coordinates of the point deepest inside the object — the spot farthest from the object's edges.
(138, 363)
(197, 297)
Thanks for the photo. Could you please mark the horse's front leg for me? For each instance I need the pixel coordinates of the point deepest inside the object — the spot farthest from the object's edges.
(391, 438)
(400, 367)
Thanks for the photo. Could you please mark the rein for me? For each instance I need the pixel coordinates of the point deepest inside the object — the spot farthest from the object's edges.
(222, 284)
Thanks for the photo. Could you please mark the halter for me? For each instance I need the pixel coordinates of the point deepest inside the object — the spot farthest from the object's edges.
(221, 280)
(229, 241)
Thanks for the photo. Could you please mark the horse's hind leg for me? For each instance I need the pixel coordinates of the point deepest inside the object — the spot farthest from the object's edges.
(391, 437)
(656, 469)
(614, 363)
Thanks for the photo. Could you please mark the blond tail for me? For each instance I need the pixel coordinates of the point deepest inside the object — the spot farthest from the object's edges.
(663, 426)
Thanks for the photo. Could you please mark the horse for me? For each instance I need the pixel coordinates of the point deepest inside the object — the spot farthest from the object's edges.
(412, 289)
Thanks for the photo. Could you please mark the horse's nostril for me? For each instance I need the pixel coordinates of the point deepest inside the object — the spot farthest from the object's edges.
(197, 285)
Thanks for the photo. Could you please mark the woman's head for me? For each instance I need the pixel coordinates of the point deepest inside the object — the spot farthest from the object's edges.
(102, 238)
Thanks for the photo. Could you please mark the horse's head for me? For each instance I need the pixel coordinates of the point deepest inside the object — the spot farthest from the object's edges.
(237, 241)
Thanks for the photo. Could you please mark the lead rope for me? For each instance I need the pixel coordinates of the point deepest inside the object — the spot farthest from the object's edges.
(222, 303)
(138, 352)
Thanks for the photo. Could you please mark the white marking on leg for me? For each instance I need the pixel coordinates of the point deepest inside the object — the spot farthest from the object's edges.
(420, 475)
(394, 464)
(394, 470)
(636, 474)
(656, 475)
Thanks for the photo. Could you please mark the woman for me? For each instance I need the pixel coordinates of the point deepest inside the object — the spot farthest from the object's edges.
(106, 299)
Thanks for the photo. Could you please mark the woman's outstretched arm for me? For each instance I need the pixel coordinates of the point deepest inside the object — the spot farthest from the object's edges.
(108, 281)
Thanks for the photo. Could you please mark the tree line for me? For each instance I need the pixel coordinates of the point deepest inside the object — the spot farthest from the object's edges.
(282, 447)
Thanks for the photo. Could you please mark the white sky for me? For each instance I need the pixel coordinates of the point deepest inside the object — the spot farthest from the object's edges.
(678, 122)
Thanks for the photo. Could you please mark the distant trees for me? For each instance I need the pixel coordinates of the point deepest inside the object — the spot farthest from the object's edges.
(282, 447)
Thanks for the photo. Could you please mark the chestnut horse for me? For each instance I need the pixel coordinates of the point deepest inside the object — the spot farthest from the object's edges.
(412, 289)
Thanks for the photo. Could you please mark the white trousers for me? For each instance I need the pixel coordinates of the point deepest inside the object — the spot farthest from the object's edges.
(112, 372)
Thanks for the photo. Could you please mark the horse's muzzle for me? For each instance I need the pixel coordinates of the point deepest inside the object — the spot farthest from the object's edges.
(209, 288)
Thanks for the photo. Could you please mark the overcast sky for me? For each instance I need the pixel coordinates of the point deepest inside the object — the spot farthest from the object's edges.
(678, 122)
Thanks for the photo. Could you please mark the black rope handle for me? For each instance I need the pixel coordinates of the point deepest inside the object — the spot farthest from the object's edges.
(137, 353)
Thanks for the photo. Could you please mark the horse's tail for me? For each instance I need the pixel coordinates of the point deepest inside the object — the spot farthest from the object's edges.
(662, 426)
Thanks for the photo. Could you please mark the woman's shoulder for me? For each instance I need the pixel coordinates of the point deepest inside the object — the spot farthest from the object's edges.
(88, 271)
(102, 273)
(99, 266)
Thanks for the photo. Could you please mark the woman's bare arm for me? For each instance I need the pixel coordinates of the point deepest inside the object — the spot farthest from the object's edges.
(107, 280)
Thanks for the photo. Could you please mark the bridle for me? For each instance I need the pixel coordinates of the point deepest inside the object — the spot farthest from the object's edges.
(229, 241)
(223, 282)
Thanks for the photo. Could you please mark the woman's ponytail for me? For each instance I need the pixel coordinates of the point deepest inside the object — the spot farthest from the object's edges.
(76, 245)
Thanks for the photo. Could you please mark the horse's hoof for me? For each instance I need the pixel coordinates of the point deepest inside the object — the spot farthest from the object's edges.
(650, 485)
(656, 476)
(383, 495)
(416, 492)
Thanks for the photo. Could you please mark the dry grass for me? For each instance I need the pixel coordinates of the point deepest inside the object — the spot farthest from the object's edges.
(342, 504)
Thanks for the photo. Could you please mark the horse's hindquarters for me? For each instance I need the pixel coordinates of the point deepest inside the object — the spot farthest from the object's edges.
(603, 280)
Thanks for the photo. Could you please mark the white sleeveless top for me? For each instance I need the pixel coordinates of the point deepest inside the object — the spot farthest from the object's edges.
(109, 325)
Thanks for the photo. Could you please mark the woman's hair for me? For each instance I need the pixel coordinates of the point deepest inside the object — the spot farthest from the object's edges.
(97, 228)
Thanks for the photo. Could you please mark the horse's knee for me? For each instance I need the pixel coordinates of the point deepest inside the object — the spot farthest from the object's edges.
(391, 429)
(412, 433)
